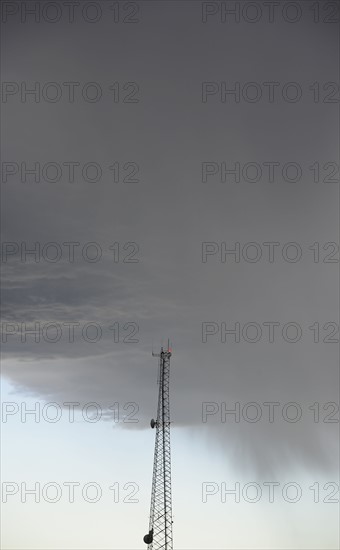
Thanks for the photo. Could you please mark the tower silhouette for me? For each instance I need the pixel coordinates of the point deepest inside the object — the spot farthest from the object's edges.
(160, 524)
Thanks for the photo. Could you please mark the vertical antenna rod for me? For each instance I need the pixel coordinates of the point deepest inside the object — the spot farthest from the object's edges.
(160, 524)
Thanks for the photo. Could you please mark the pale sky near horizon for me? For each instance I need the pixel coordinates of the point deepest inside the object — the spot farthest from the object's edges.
(84, 453)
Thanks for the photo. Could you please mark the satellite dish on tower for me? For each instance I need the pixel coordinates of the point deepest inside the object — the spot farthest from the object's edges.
(148, 539)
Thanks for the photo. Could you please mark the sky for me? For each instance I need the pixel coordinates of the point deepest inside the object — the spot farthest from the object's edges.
(186, 169)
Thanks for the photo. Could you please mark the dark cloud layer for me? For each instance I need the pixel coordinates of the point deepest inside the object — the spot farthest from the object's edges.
(169, 213)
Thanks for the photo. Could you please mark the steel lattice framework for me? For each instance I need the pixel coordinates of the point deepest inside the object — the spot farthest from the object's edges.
(160, 525)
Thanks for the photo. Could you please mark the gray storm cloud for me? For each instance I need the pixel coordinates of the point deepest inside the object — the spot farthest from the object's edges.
(168, 213)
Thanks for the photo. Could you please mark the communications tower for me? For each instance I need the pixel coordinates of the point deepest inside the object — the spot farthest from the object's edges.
(160, 524)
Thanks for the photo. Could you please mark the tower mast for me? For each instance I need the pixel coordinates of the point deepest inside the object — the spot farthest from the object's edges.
(160, 524)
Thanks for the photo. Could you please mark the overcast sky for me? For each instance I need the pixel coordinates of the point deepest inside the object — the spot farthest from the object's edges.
(148, 117)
